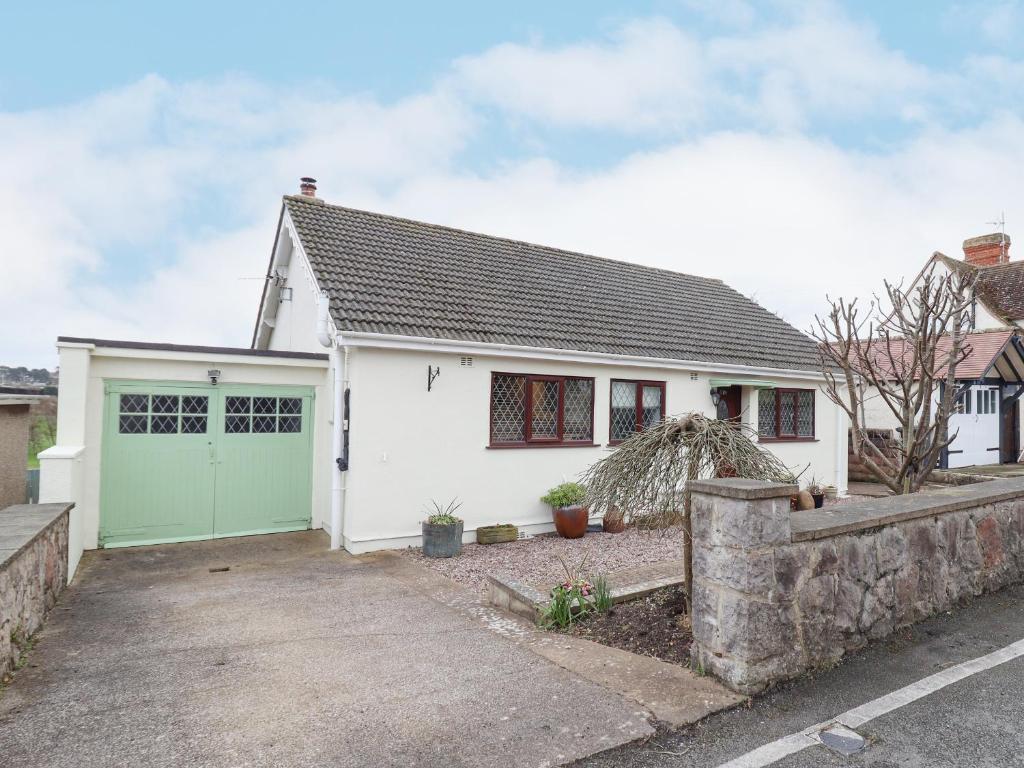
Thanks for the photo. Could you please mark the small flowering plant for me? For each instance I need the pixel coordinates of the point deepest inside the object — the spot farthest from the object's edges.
(584, 587)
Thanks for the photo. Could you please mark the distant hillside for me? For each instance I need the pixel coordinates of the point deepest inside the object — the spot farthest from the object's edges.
(20, 376)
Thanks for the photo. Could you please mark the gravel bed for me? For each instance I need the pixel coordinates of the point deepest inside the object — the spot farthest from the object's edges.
(535, 561)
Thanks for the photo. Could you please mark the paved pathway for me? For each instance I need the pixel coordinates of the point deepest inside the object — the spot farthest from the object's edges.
(293, 657)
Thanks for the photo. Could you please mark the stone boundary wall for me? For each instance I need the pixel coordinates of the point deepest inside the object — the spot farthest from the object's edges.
(777, 594)
(33, 573)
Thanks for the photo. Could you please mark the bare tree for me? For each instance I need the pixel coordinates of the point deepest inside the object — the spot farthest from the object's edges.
(904, 352)
(648, 475)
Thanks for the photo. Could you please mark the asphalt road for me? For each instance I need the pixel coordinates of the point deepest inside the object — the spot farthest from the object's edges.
(975, 722)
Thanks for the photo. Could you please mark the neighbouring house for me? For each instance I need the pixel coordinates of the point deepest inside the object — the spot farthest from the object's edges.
(990, 380)
(395, 362)
(15, 428)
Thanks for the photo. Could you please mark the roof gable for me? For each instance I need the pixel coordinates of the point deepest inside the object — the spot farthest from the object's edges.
(396, 276)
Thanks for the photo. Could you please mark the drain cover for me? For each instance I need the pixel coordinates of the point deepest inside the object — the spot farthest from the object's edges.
(841, 739)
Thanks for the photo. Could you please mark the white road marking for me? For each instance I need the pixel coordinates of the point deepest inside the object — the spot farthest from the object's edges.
(856, 717)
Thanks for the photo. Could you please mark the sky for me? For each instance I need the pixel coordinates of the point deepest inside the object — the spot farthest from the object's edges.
(793, 149)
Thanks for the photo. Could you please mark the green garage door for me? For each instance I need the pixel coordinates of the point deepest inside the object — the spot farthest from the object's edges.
(195, 461)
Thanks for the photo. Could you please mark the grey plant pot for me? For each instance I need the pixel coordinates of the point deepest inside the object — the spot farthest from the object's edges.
(442, 540)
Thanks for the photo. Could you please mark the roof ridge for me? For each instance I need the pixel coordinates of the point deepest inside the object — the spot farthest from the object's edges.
(473, 233)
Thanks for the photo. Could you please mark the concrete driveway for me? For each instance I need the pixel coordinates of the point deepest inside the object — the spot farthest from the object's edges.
(293, 657)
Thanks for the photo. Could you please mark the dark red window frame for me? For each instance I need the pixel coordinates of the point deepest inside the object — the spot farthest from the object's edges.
(796, 437)
(638, 406)
(540, 442)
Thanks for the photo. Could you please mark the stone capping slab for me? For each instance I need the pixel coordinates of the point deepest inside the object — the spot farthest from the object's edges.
(524, 600)
(742, 488)
(22, 524)
(849, 518)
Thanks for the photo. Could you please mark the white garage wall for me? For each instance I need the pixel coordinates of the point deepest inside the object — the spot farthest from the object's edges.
(409, 446)
(73, 465)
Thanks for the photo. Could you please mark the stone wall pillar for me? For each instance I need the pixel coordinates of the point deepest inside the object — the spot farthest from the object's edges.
(744, 632)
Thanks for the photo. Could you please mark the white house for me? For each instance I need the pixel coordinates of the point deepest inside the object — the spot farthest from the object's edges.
(395, 362)
(987, 416)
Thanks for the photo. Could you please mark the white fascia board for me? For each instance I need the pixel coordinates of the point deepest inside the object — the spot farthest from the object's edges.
(207, 357)
(388, 341)
(297, 248)
(74, 345)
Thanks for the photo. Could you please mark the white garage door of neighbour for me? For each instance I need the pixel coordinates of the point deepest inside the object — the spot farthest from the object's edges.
(975, 420)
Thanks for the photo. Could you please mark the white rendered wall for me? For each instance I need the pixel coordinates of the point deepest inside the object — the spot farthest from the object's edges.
(81, 403)
(295, 326)
(409, 446)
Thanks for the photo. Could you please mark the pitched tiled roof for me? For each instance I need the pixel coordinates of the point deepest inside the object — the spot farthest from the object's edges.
(1001, 287)
(396, 276)
(984, 350)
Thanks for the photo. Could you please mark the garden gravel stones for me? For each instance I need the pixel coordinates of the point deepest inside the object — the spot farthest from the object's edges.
(535, 561)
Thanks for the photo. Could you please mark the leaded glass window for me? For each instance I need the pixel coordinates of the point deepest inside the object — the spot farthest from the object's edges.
(785, 414)
(766, 421)
(544, 409)
(508, 408)
(541, 409)
(262, 415)
(635, 406)
(651, 405)
(160, 414)
(579, 410)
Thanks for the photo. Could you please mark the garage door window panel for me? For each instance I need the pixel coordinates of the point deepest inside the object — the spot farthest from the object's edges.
(162, 414)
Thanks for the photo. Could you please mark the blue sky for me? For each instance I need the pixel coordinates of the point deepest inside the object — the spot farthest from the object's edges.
(790, 148)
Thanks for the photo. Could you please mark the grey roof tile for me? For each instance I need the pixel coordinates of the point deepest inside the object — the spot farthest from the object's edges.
(390, 275)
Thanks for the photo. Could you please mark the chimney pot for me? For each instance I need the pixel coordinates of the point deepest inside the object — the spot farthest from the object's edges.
(307, 186)
(987, 250)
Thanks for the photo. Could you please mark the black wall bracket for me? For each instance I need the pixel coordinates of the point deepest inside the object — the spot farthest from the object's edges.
(432, 373)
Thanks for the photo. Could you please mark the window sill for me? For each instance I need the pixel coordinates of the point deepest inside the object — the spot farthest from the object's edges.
(503, 447)
(788, 440)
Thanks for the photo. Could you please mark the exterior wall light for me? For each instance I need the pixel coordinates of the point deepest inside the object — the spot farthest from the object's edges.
(213, 375)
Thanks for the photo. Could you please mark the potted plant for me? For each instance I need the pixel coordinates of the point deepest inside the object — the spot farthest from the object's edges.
(614, 520)
(567, 510)
(817, 491)
(442, 530)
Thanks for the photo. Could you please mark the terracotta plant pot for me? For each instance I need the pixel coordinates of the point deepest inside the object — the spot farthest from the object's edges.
(570, 522)
(613, 523)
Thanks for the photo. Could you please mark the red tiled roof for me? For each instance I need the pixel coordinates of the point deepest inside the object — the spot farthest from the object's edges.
(985, 348)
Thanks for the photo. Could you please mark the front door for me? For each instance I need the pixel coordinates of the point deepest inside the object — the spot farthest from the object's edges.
(182, 462)
(1010, 431)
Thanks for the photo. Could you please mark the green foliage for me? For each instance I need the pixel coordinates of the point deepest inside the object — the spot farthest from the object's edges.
(568, 604)
(444, 515)
(565, 495)
(43, 436)
(602, 595)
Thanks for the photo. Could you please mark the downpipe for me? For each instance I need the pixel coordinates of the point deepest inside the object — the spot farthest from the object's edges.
(339, 427)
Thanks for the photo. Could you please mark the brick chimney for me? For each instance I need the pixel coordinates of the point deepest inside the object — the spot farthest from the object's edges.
(307, 188)
(987, 250)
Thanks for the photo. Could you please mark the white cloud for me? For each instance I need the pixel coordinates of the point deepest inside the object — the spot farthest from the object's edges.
(647, 77)
(136, 213)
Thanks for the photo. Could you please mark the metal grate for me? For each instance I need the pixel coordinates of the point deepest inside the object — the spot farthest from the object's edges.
(466, 362)
(508, 409)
